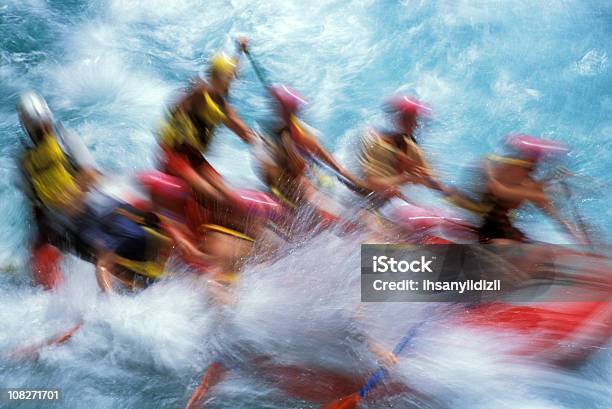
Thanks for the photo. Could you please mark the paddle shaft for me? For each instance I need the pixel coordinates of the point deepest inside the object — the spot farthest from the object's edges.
(211, 377)
(579, 221)
(381, 373)
(258, 71)
(339, 176)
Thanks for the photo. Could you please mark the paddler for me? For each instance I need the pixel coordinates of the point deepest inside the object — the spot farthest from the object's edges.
(291, 152)
(59, 178)
(390, 159)
(510, 183)
(209, 235)
(227, 230)
(136, 247)
(190, 128)
(56, 182)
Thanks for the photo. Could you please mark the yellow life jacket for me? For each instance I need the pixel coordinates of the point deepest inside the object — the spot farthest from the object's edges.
(378, 157)
(227, 279)
(510, 161)
(180, 128)
(51, 174)
(212, 112)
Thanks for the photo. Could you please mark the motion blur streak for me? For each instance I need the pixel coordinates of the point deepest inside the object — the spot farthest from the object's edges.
(108, 67)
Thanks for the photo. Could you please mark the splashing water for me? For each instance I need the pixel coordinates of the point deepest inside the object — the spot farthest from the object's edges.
(108, 67)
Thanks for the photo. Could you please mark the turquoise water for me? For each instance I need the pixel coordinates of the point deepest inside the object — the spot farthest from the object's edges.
(107, 68)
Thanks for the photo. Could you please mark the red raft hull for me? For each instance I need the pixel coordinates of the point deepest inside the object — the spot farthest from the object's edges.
(174, 196)
(556, 332)
(560, 332)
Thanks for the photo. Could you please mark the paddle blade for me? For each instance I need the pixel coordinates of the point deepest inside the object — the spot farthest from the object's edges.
(346, 402)
(32, 351)
(211, 377)
(65, 336)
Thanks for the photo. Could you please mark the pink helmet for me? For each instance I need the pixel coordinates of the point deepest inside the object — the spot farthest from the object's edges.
(289, 100)
(534, 148)
(407, 105)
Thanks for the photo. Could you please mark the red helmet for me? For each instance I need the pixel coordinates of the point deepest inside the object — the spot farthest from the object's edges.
(534, 148)
(289, 100)
(407, 105)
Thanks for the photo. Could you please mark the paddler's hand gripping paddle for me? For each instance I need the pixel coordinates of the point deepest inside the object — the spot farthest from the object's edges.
(352, 401)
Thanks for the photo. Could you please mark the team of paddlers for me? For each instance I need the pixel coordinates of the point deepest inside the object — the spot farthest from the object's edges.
(185, 207)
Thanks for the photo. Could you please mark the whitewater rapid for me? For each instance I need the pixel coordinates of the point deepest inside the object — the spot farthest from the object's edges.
(108, 68)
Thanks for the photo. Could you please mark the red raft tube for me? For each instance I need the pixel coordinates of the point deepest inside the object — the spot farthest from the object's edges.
(174, 196)
(556, 332)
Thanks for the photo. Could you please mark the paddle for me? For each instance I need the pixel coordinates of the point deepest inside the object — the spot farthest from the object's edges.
(341, 178)
(562, 173)
(577, 217)
(211, 377)
(352, 401)
(34, 350)
(258, 70)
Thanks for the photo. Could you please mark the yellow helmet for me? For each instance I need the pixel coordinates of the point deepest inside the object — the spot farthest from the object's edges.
(223, 65)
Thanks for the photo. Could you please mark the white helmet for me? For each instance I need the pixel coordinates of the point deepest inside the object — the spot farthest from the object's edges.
(33, 112)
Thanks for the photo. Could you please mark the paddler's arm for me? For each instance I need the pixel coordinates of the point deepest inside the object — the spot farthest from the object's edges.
(321, 202)
(80, 156)
(87, 177)
(236, 125)
(420, 168)
(385, 357)
(201, 185)
(549, 208)
(179, 165)
(514, 193)
(311, 143)
(297, 164)
(460, 199)
(76, 149)
(535, 194)
(232, 120)
(186, 247)
(388, 185)
(518, 193)
(103, 272)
